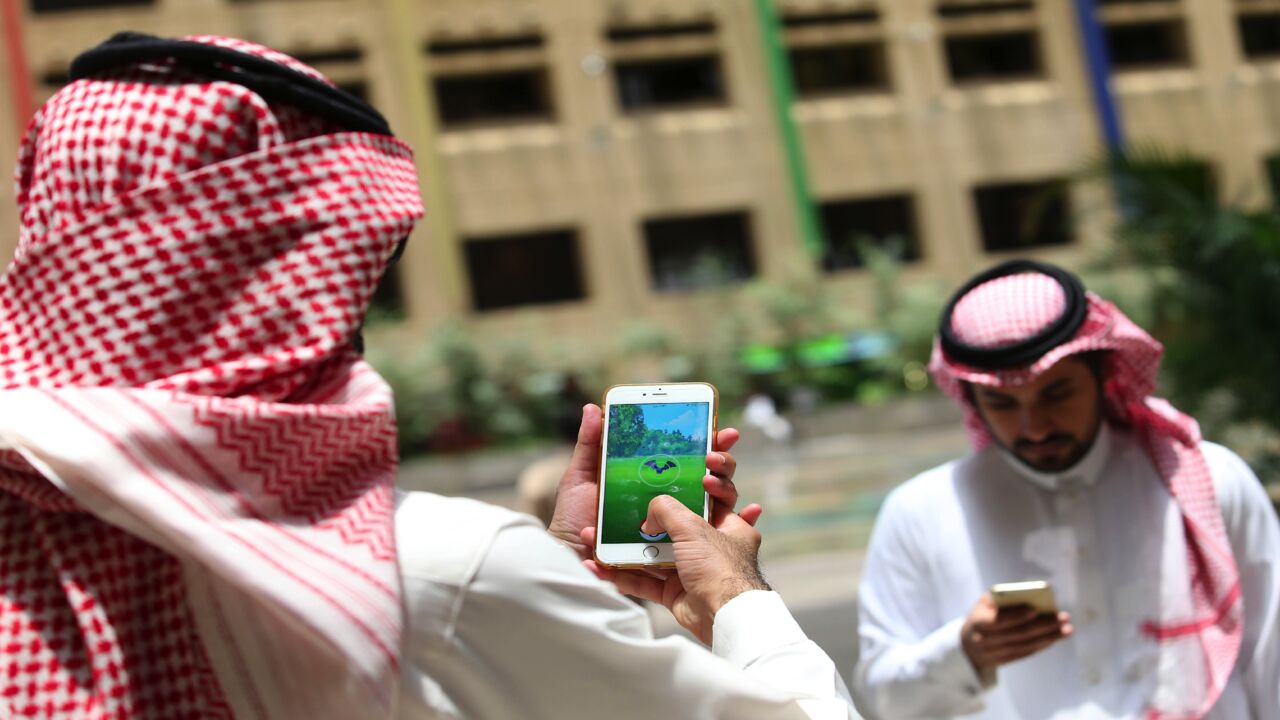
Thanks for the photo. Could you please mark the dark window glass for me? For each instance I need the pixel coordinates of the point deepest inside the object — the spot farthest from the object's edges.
(888, 222)
(55, 80)
(515, 270)
(698, 252)
(41, 6)
(493, 97)
(1260, 35)
(1167, 182)
(1273, 175)
(993, 57)
(319, 57)
(1022, 215)
(839, 68)
(634, 34)
(987, 8)
(459, 47)
(1147, 44)
(644, 84)
(357, 88)
(851, 17)
(388, 298)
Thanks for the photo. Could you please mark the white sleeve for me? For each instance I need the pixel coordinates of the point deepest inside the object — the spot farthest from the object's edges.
(907, 668)
(548, 640)
(1255, 540)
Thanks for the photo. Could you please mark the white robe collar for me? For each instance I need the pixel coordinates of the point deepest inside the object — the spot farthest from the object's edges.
(1083, 473)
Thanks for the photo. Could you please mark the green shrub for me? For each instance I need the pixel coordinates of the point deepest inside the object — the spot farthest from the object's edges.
(1210, 286)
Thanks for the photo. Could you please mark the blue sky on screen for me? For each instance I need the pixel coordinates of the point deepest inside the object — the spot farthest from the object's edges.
(689, 418)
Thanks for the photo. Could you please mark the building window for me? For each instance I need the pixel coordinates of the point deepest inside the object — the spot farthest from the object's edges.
(666, 66)
(316, 58)
(641, 33)
(55, 80)
(645, 84)
(839, 69)
(529, 269)
(997, 56)
(887, 222)
(837, 53)
(43, 6)
(1260, 35)
(1145, 34)
(1273, 176)
(343, 65)
(512, 96)
(1147, 45)
(357, 88)
(691, 253)
(990, 41)
(1014, 216)
(1170, 182)
(443, 47)
(388, 298)
(489, 81)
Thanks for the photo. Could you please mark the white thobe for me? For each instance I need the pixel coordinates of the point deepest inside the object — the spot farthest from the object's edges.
(505, 623)
(943, 538)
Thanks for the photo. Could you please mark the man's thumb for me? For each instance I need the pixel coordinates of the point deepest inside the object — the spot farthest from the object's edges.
(586, 453)
(670, 515)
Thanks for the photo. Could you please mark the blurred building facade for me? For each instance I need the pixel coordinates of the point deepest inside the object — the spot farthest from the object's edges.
(591, 162)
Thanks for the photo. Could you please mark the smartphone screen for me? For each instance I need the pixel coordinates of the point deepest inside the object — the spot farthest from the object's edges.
(652, 449)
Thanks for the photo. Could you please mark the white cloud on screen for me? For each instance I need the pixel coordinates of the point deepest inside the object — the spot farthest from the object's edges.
(680, 419)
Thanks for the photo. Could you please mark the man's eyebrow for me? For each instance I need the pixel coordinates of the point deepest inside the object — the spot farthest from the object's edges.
(993, 394)
(1062, 384)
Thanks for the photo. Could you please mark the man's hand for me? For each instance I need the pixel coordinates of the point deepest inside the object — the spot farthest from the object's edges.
(578, 491)
(992, 637)
(715, 562)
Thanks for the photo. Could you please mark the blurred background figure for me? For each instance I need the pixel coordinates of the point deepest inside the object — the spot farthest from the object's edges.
(760, 412)
(780, 190)
(536, 485)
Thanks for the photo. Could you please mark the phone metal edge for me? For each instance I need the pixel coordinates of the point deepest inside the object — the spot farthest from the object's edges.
(706, 497)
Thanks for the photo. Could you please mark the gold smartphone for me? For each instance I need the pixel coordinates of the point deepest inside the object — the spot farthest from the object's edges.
(1037, 594)
(655, 442)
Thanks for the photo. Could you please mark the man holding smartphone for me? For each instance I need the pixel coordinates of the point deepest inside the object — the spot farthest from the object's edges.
(1162, 550)
(198, 513)
(516, 627)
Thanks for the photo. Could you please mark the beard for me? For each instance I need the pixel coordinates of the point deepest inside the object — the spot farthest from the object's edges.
(1056, 453)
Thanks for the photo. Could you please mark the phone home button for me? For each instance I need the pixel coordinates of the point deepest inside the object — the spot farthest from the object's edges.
(651, 551)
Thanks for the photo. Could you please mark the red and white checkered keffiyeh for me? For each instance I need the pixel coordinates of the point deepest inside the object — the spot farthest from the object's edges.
(197, 495)
(1200, 639)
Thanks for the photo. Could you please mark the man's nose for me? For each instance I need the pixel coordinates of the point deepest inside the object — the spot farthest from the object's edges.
(1037, 425)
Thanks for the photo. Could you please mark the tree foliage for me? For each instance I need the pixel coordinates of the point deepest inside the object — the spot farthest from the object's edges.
(1215, 276)
(630, 437)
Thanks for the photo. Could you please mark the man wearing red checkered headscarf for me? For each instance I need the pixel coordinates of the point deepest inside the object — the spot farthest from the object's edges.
(176, 355)
(1162, 550)
(198, 514)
